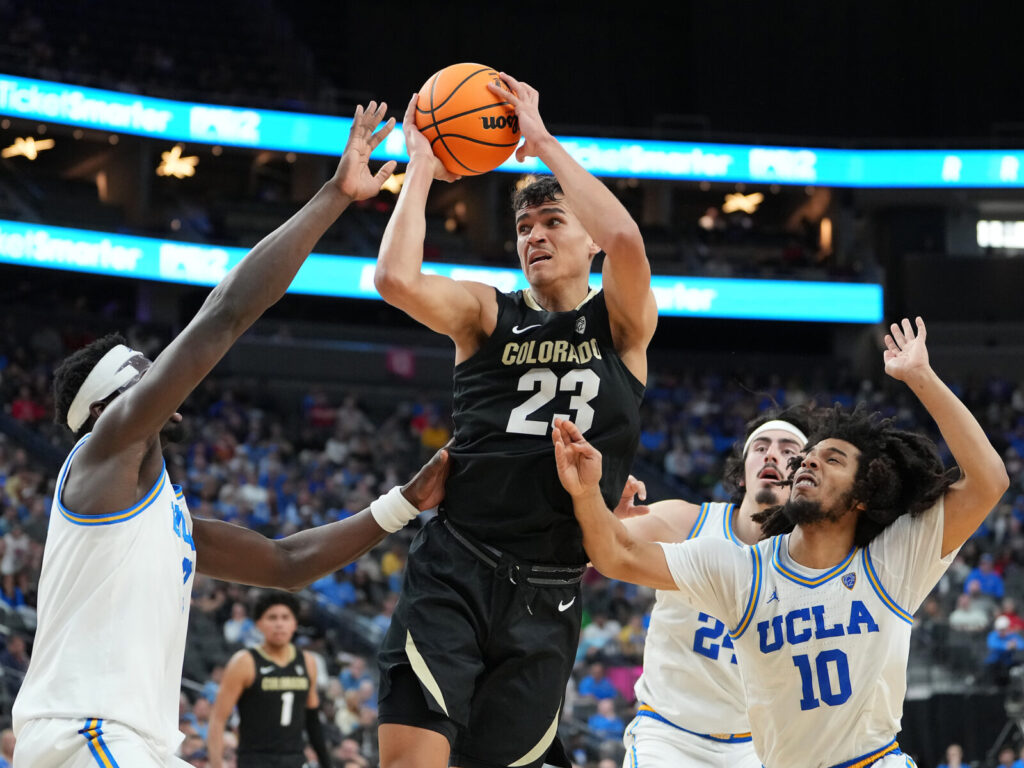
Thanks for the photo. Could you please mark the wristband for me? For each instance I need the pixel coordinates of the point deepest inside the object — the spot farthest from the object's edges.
(393, 511)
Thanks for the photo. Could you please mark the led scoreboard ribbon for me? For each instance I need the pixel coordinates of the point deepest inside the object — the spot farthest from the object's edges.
(322, 134)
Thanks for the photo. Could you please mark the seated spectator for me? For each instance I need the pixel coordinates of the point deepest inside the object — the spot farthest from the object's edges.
(387, 609)
(969, 615)
(605, 723)
(1006, 758)
(1003, 647)
(1019, 762)
(240, 629)
(954, 757)
(212, 685)
(597, 634)
(336, 588)
(14, 658)
(354, 673)
(596, 685)
(6, 748)
(1008, 608)
(990, 582)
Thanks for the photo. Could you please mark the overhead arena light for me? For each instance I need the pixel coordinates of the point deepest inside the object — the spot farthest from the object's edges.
(28, 147)
(173, 164)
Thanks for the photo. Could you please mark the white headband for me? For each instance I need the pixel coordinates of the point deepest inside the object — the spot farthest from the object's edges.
(110, 374)
(768, 426)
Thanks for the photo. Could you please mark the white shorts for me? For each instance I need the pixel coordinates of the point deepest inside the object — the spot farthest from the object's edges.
(67, 743)
(651, 743)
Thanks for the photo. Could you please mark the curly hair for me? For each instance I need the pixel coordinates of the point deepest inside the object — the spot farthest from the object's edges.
(543, 189)
(72, 373)
(268, 600)
(800, 416)
(898, 472)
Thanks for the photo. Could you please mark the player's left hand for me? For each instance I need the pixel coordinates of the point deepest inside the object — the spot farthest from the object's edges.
(626, 507)
(905, 353)
(526, 101)
(353, 176)
(578, 462)
(426, 489)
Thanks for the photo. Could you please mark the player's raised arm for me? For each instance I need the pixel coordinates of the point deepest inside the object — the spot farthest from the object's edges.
(232, 553)
(983, 477)
(257, 282)
(455, 308)
(627, 273)
(611, 548)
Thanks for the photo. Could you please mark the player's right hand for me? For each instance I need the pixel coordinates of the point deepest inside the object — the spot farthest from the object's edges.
(578, 462)
(627, 508)
(418, 147)
(353, 176)
(426, 489)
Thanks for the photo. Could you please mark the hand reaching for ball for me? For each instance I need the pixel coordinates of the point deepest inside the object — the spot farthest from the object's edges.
(526, 101)
(418, 147)
(353, 176)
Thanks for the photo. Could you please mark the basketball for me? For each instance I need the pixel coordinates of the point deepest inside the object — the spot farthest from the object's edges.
(471, 130)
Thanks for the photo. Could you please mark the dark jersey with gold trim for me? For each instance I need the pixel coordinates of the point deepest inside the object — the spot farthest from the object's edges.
(503, 488)
(272, 711)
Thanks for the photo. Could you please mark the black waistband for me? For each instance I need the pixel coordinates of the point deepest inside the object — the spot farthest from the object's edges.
(534, 574)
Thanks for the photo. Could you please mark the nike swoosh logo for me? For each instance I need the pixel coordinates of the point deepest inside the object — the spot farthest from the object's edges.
(517, 329)
(565, 606)
(266, 670)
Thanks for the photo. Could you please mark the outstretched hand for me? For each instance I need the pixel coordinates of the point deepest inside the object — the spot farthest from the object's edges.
(578, 462)
(426, 489)
(525, 99)
(905, 352)
(626, 507)
(417, 146)
(353, 176)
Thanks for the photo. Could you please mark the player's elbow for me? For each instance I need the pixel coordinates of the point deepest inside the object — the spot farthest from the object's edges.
(392, 284)
(624, 239)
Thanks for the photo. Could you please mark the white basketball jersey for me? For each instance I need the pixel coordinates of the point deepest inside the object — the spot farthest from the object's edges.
(114, 599)
(823, 654)
(691, 677)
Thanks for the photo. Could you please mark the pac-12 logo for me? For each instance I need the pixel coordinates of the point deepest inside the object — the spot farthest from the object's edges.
(502, 121)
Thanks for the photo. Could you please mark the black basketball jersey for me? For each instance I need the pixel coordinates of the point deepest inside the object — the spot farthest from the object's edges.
(272, 711)
(503, 487)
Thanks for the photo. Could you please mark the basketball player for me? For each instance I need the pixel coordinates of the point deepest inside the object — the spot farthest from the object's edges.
(274, 686)
(482, 641)
(820, 612)
(692, 710)
(102, 687)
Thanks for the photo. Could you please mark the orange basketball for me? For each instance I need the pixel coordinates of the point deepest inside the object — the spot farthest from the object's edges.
(470, 129)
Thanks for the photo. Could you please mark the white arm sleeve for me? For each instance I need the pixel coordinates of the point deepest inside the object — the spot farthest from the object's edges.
(712, 575)
(907, 556)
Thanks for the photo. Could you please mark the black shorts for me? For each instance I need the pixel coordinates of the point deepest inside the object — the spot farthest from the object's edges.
(491, 647)
(270, 760)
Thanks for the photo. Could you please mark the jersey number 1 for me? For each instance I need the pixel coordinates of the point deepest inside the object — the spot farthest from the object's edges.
(545, 385)
(287, 703)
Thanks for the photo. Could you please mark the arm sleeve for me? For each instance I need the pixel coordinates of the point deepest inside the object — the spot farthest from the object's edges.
(907, 557)
(714, 576)
(315, 732)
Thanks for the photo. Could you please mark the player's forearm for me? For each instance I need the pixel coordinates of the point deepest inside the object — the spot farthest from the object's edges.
(263, 276)
(312, 554)
(599, 211)
(609, 545)
(215, 742)
(401, 249)
(971, 448)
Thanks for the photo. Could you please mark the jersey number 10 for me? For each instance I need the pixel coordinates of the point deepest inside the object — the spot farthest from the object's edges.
(545, 385)
(829, 695)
